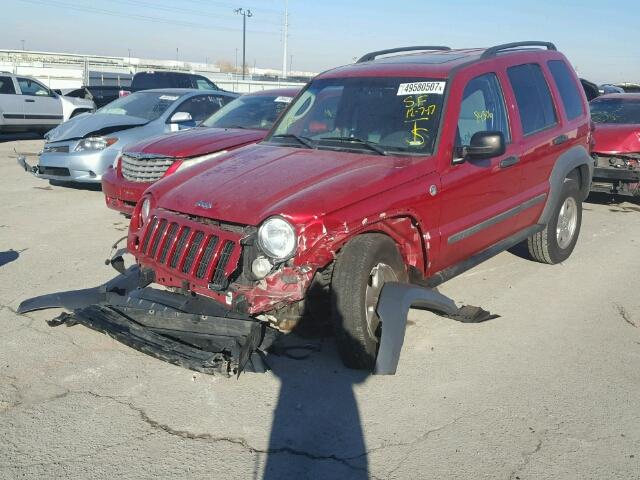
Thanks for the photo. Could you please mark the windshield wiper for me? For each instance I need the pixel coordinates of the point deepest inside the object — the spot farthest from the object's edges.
(370, 145)
(301, 140)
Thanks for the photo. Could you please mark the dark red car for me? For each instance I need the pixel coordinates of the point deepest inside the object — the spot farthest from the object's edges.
(241, 122)
(616, 149)
(411, 168)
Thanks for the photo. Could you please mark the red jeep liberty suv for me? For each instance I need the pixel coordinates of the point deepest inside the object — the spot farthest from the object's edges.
(407, 167)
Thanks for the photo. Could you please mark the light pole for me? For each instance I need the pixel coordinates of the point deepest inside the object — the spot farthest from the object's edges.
(245, 14)
(22, 45)
(129, 56)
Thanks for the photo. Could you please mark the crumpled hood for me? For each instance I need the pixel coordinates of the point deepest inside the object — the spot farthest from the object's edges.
(80, 127)
(611, 138)
(257, 181)
(197, 141)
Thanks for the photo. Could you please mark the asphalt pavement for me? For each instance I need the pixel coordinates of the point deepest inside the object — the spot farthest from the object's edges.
(549, 390)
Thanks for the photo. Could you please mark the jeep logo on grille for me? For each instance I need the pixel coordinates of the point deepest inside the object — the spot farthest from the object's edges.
(203, 204)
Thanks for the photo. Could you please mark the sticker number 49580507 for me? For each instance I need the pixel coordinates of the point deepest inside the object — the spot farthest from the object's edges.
(420, 88)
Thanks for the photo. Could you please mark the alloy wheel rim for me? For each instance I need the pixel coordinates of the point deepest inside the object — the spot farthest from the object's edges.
(567, 222)
(380, 274)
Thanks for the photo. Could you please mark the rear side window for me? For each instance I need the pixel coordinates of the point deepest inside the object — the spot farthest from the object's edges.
(571, 99)
(6, 85)
(482, 109)
(533, 97)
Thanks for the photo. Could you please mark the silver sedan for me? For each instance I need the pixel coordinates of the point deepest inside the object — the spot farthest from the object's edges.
(82, 149)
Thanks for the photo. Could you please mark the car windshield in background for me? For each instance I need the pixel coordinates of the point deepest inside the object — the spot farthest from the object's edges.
(615, 110)
(147, 105)
(379, 115)
(254, 112)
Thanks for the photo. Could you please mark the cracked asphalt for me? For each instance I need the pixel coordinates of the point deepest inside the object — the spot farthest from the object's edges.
(550, 390)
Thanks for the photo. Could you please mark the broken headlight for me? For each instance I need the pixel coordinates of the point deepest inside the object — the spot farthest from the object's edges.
(94, 144)
(277, 238)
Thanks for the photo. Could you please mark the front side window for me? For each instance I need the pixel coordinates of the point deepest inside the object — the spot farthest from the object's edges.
(31, 87)
(201, 106)
(392, 115)
(6, 86)
(533, 97)
(482, 109)
(615, 110)
(145, 105)
(253, 112)
(569, 93)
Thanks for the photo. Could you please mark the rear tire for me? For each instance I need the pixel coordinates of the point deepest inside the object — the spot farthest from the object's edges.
(361, 268)
(555, 243)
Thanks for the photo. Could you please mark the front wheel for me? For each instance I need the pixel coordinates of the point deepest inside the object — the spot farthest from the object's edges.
(555, 243)
(362, 268)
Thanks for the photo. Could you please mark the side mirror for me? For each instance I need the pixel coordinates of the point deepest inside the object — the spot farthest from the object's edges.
(57, 90)
(181, 117)
(485, 144)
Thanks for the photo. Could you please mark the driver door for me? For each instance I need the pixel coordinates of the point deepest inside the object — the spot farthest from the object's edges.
(477, 196)
(41, 106)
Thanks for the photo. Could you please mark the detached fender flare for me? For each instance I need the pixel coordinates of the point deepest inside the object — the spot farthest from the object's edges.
(393, 307)
(575, 157)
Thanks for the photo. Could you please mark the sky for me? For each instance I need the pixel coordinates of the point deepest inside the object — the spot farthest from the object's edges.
(598, 37)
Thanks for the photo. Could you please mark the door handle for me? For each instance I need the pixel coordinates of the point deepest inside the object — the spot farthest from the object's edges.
(508, 162)
(30, 100)
(559, 140)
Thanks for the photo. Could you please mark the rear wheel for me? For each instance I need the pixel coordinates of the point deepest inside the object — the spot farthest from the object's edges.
(555, 243)
(362, 268)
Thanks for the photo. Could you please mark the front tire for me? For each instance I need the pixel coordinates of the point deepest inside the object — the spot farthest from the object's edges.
(361, 269)
(555, 243)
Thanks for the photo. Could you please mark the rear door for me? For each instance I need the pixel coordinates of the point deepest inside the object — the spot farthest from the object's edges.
(42, 107)
(11, 104)
(540, 135)
(479, 197)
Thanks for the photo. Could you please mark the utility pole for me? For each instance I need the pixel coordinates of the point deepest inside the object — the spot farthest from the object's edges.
(285, 39)
(129, 56)
(245, 14)
(22, 45)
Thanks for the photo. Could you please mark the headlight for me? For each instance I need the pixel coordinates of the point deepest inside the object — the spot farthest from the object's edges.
(95, 144)
(190, 162)
(277, 238)
(144, 210)
(116, 162)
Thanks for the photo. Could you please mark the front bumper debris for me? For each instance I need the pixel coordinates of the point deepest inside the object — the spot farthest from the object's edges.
(201, 334)
(192, 332)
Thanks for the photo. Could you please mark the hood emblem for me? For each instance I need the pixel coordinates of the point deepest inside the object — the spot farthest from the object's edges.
(204, 204)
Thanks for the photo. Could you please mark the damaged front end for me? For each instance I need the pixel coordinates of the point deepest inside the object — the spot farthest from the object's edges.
(616, 173)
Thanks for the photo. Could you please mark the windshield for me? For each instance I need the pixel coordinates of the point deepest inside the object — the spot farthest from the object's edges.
(615, 110)
(255, 112)
(147, 105)
(382, 115)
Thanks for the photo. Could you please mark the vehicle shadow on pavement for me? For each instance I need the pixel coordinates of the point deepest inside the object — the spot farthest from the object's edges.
(94, 187)
(8, 257)
(12, 137)
(600, 198)
(316, 430)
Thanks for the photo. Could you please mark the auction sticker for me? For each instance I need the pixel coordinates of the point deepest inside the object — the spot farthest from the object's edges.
(420, 88)
(168, 97)
(283, 99)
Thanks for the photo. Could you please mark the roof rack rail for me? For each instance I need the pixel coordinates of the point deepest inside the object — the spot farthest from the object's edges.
(372, 55)
(491, 51)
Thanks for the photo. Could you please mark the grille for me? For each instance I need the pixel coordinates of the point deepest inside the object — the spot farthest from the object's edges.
(144, 168)
(192, 251)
